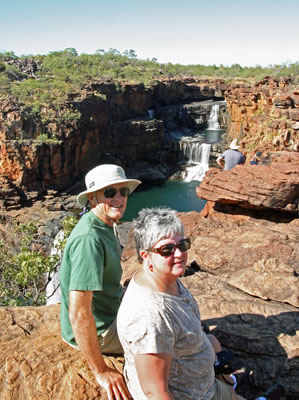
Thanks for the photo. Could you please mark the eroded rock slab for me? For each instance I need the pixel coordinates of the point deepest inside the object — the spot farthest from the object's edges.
(35, 364)
(243, 272)
(274, 186)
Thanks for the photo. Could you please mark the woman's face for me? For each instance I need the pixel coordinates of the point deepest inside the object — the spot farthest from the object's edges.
(172, 266)
(113, 207)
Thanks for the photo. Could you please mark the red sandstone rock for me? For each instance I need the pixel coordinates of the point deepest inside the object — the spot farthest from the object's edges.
(246, 282)
(35, 364)
(256, 186)
(246, 285)
(256, 114)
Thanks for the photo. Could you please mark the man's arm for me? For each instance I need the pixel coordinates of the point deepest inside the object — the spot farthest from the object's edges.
(85, 333)
(155, 383)
(220, 162)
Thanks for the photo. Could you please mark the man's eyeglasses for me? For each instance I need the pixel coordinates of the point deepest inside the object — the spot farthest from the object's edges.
(111, 192)
(168, 249)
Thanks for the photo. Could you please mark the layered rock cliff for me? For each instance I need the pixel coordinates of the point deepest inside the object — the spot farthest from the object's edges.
(109, 122)
(274, 186)
(265, 116)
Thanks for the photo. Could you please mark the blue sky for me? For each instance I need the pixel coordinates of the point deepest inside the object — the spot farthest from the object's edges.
(246, 32)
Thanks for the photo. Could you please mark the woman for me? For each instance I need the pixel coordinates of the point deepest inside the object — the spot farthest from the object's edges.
(167, 354)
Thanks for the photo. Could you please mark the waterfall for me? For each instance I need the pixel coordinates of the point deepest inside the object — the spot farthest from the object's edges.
(199, 154)
(192, 152)
(151, 113)
(53, 287)
(213, 123)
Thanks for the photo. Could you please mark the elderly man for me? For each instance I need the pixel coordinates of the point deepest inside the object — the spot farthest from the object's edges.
(232, 157)
(91, 272)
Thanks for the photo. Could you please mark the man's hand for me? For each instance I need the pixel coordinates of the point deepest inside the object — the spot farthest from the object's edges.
(220, 162)
(85, 333)
(113, 382)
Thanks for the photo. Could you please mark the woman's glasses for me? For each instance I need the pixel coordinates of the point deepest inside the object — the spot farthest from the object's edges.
(168, 249)
(111, 192)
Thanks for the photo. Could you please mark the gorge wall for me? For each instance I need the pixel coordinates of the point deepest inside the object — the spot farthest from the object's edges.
(265, 115)
(115, 126)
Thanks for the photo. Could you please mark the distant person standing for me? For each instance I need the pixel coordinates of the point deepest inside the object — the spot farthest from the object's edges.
(232, 157)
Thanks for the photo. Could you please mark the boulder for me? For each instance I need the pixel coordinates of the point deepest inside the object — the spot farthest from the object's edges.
(273, 187)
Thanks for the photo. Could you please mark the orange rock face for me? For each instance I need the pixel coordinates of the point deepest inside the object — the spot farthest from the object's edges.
(272, 187)
(243, 267)
(118, 126)
(265, 116)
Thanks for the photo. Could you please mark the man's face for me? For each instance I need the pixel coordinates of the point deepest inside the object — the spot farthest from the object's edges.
(113, 207)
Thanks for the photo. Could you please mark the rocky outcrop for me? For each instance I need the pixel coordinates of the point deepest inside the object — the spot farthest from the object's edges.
(193, 116)
(243, 272)
(269, 187)
(265, 116)
(102, 123)
(27, 66)
(35, 364)
(243, 263)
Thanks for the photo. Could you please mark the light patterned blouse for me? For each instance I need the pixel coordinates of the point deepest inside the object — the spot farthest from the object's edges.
(155, 322)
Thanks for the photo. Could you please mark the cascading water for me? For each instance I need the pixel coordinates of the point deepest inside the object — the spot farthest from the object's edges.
(151, 113)
(192, 152)
(53, 292)
(196, 153)
(213, 123)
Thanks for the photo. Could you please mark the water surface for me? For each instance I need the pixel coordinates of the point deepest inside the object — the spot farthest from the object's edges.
(176, 194)
(179, 195)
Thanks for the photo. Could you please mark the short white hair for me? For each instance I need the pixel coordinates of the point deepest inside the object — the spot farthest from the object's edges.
(154, 224)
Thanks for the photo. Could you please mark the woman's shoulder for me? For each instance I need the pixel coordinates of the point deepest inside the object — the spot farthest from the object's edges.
(183, 290)
(141, 295)
(141, 302)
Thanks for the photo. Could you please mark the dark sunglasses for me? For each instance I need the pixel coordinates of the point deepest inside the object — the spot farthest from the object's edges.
(111, 192)
(169, 249)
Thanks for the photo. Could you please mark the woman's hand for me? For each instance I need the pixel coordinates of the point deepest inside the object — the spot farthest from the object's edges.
(155, 383)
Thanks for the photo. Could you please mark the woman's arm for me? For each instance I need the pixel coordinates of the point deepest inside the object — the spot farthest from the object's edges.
(153, 372)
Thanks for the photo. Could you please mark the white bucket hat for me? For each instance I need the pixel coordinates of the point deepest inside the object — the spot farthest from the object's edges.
(105, 175)
(234, 145)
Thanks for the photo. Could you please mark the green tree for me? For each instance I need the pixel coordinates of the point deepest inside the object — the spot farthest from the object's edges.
(63, 72)
(24, 275)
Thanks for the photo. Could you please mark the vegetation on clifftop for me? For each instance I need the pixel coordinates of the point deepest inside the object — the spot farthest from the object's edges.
(46, 80)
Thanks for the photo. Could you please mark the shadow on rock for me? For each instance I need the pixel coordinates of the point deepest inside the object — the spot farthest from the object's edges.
(269, 346)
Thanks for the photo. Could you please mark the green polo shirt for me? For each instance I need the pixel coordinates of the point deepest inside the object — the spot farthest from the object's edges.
(91, 262)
